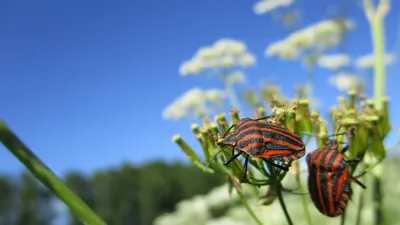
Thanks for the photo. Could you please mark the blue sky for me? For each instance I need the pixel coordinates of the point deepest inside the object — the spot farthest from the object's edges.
(84, 83)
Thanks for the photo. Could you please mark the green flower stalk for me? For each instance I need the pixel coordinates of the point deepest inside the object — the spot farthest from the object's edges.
(47, 177)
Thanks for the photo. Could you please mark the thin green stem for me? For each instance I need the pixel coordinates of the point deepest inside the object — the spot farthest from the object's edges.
(283, 205)
(379, 64)
(248, 208)
(375, 18)
(301, 190)
(360, 206)
(47, 177)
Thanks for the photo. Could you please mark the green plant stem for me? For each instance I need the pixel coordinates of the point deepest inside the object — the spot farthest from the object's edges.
(248, 208)
(360, 207)
(47, 177)
(303, 197)
(379, 64)
(283, 205)
(377, 194)
(375, 18)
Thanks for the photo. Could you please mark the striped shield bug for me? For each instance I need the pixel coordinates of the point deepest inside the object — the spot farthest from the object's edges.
(261, 140)
(329, 179)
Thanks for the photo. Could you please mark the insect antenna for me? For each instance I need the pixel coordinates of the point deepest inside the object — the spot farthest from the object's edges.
(212, 158)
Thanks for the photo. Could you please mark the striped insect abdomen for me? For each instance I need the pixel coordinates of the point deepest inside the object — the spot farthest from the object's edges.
(281, 144)
(328, 181)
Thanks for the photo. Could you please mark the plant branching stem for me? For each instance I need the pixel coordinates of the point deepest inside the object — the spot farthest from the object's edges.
(47, 177)
(283, 205)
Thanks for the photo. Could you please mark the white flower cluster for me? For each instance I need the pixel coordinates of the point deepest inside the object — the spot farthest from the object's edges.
(321, 35)
(367, 61)
(194, 102)
(334, 62)
(346, 82)
(265, 6)
(225, 53)
(235, 78)
(196, 211)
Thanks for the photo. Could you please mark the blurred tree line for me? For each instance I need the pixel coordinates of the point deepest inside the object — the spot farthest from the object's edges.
(124, 195)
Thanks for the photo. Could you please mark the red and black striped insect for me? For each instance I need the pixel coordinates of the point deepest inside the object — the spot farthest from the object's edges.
(329, 179)
(262, 140)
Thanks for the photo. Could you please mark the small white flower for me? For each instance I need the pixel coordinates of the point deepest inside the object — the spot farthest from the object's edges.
(227, 61)
(193, 102)
(235, 78)
(246, 60)
(207, 53)
(224, 53)
(334, 62)
(322, 35)
(191, 67)
(346, 81)
(367, 61)
(214, 95)
(265, 6)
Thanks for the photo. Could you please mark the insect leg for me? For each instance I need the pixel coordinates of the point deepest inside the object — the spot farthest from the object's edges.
(276, 165)
(262, 118)
(292, 191)
(230, 128)
(233, 157)
(353, 160)
(245, 169)
(358, 182)
(344, 149)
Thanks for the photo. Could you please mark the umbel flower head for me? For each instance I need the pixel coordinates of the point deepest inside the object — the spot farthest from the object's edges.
(266, 6)
(333, 62)
(367, 61)
(194, 102)
(322, 35)
(225, 53)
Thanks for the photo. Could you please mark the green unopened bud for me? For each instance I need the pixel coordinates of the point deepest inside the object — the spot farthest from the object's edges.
(269, 197)
(235, 116)
(384, 124)
(222, 123)
(351, 104)
(206, 123)
(377, 145)
(191, 154)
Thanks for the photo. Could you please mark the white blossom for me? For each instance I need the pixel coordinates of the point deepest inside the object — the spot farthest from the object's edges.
(367, 61)
(193, 102)
(224, 53)
(334, 62)
(346, 81)
(235, 78)
(246, 59)
(321, 35)
(265, 6)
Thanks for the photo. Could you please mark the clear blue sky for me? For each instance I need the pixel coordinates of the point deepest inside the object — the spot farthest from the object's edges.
(84, 83)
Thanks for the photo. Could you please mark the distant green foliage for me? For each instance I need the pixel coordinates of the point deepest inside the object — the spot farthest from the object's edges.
(136, 195)
(126, 195)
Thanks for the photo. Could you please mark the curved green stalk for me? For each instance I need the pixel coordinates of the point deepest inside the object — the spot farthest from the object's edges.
(360, 204)
(282, 203)
(47, 177)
